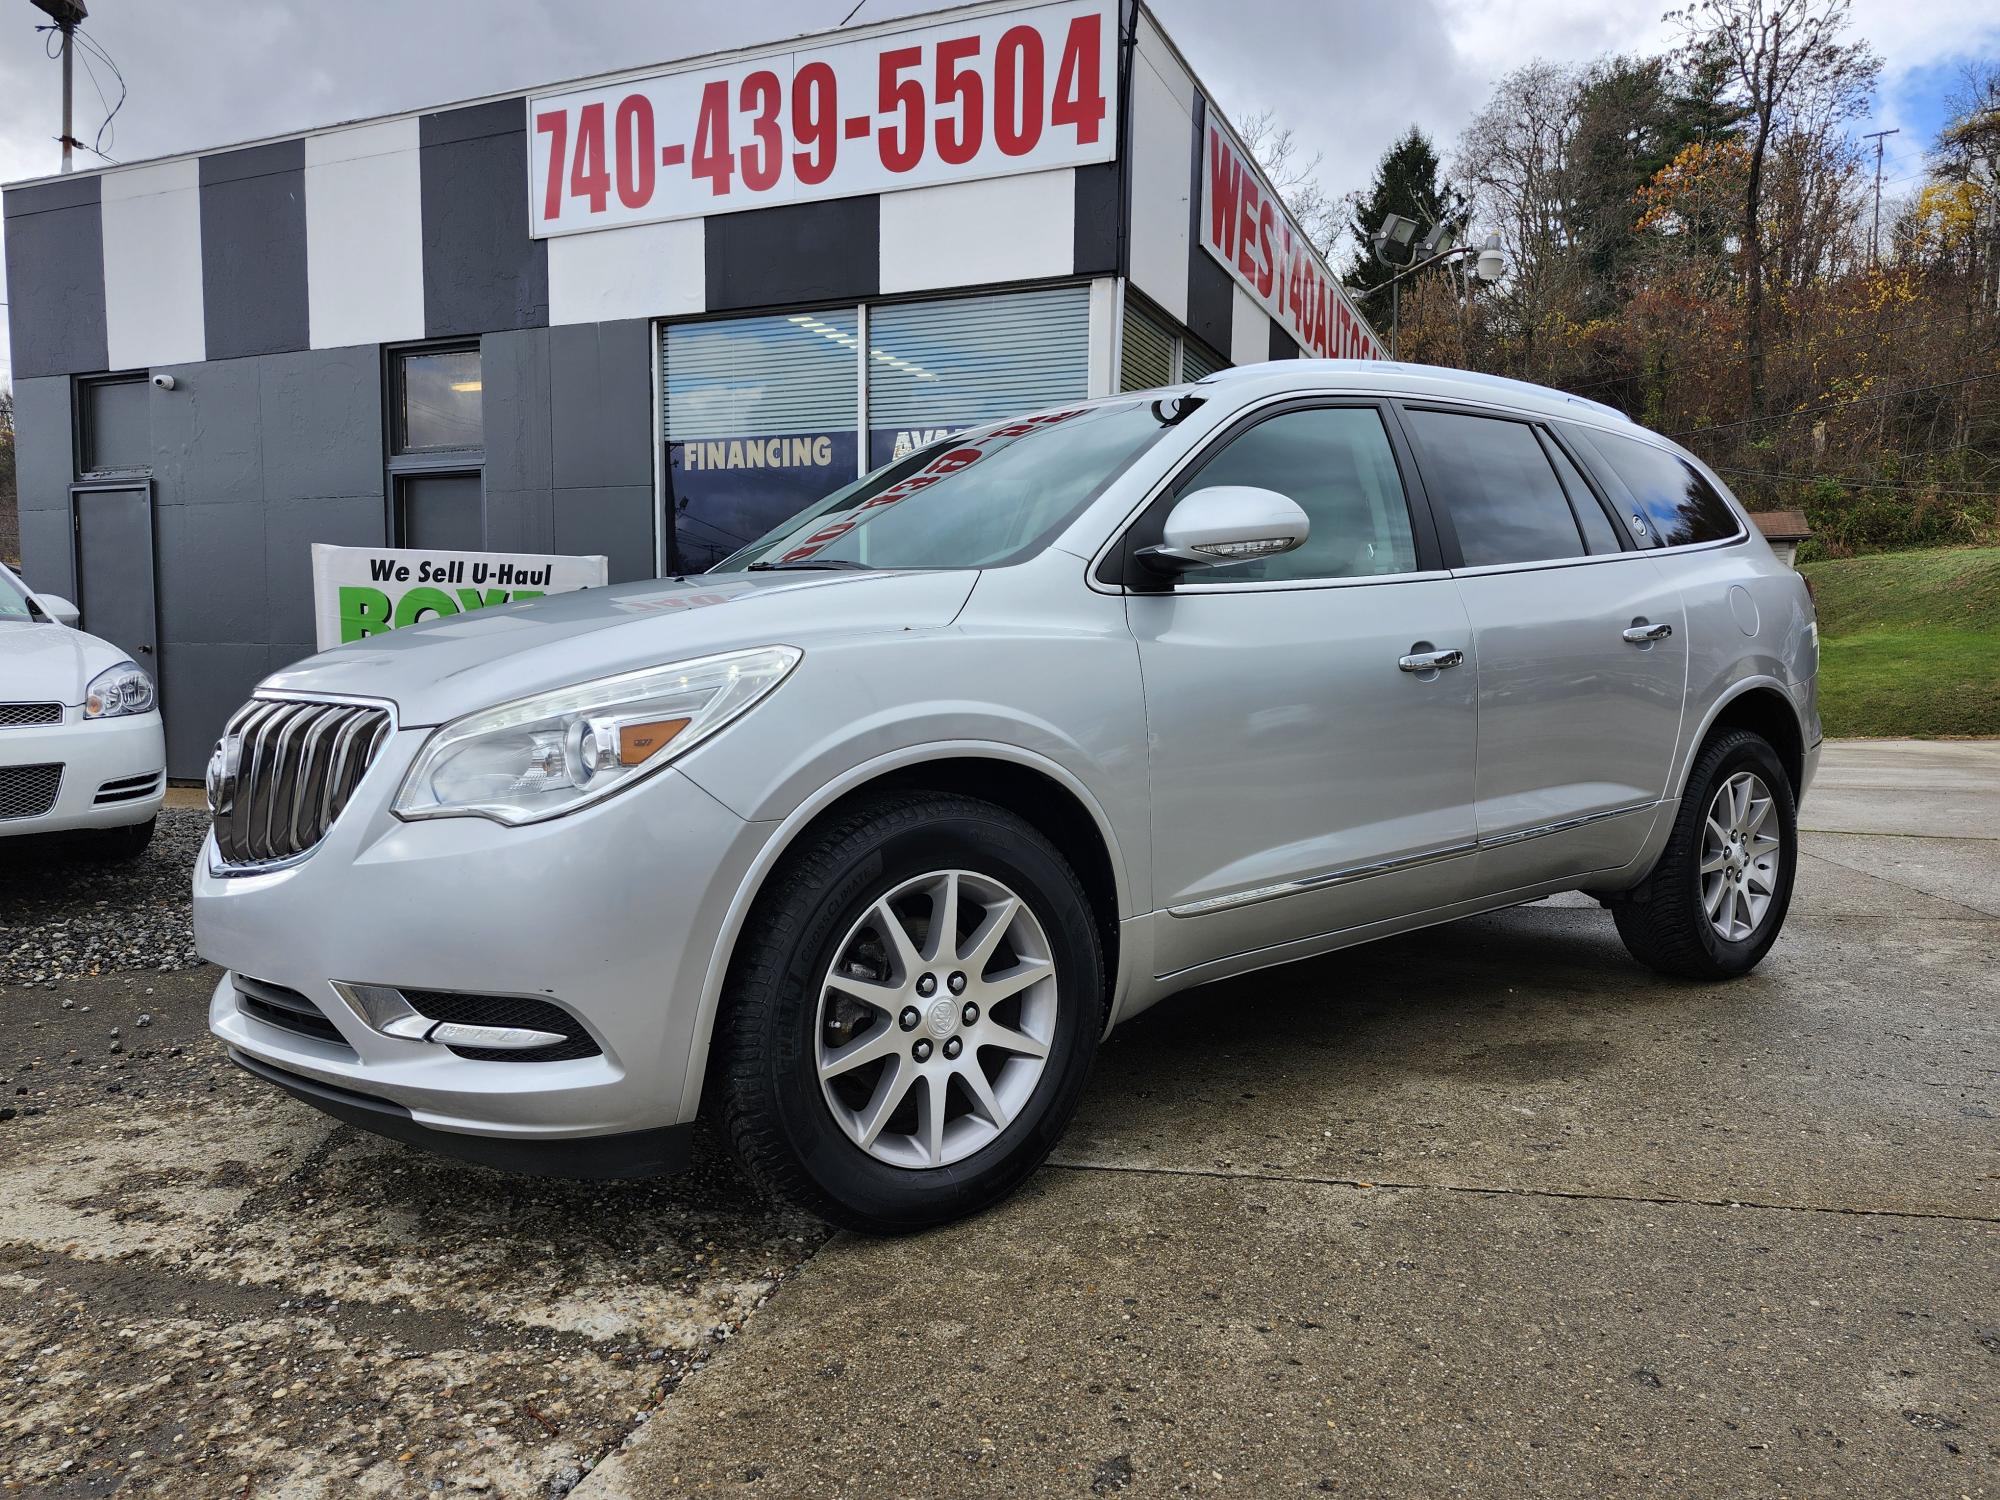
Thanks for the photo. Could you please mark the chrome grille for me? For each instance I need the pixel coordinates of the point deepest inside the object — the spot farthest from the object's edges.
(29, 791)
(14, 715)
(284, 771)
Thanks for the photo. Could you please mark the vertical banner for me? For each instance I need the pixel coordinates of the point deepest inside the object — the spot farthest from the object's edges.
(363, 591)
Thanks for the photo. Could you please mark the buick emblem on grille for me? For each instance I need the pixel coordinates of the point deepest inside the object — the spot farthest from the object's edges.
(221, 777)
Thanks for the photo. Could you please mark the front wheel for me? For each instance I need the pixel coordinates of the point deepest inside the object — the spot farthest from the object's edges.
(915, 1010)
(1715, 901)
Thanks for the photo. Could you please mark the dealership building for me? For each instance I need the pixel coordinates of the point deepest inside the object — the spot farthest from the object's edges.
(645, 315)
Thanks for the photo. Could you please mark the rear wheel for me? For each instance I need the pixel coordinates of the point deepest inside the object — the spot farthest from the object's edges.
(1717, 898)
(913, 1016)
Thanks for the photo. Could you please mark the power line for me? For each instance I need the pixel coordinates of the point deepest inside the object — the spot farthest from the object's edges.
(1806, 411)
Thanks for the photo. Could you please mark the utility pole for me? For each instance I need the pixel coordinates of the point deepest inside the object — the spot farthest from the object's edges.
(1875, 229)
(68, 15)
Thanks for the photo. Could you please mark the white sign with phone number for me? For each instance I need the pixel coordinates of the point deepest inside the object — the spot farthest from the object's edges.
(1020, 91)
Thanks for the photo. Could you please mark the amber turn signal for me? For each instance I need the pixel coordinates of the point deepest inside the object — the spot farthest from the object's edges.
(640, 742)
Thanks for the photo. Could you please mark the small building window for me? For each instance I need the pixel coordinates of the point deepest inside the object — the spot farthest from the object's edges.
(117, 429)
(437, 453)
(437, 400)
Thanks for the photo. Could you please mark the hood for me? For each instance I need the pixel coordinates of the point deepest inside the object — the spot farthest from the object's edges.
(442, 668)
(43, 663)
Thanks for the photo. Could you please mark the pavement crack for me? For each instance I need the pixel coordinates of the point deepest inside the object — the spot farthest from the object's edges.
(1886, 833)
(1481, 1191)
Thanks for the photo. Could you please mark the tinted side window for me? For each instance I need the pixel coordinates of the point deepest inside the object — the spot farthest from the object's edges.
(1494, 481)
(1679, 504)
(1598, 532)
(1336, 462)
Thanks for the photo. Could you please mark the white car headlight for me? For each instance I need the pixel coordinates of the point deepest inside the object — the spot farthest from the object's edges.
(118, 691)
(543, 756)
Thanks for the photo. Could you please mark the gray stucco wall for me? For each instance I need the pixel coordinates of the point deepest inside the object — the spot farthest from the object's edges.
(254, 459)
(55, 258)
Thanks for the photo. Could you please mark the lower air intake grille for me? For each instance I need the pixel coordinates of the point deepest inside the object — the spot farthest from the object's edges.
(128, 788)
(14, 715)
(507, 1010)
(286, 1009)
(29, 791)
(284, 772)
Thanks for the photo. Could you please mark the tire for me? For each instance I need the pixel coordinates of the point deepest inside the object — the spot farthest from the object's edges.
(786, 1013)
(1670, 921)
(124, 843)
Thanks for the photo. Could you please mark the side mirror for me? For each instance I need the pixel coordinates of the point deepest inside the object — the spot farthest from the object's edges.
(59, 609)
(1229, 523)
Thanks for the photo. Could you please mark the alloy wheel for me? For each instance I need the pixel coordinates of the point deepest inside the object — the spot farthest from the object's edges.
(1740, 854)
(936, 1019)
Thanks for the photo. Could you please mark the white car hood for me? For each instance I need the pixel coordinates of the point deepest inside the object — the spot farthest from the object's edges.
(45, 663)
(442, 668)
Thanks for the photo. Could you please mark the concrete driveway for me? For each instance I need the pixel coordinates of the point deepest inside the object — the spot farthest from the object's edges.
(1486, 1210)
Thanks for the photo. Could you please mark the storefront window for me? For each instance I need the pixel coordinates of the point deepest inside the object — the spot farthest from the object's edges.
(938, 367)
(761, 417)
(1147, 359)
(1154, 353)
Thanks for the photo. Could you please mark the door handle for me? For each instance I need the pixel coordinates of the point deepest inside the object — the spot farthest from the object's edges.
(1639, 635)
(145, 650)
(1431, 661)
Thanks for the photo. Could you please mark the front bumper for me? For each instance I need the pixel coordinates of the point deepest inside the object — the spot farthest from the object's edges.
(114, 771)
(613, 913)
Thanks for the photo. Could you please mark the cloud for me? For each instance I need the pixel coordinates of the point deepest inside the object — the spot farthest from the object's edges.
(1347, 77)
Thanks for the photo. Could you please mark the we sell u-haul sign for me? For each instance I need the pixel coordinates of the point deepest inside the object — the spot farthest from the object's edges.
(1244, 225)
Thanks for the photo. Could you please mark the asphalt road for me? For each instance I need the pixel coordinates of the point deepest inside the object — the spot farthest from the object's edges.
(1487, 1210)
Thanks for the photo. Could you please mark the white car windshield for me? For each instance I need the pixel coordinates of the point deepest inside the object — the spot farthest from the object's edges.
(990, 496)
(14, 600)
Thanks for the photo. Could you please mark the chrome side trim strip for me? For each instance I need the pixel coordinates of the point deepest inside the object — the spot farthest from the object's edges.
(1390, 866)
(1521, 835)
(1320, 882)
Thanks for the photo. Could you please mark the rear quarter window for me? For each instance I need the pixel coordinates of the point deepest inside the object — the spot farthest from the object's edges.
(1678, 502)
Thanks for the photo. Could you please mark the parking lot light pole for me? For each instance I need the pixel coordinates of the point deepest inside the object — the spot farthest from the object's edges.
(1488, 266)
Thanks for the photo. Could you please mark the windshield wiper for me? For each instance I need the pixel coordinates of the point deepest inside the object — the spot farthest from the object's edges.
(806, 564)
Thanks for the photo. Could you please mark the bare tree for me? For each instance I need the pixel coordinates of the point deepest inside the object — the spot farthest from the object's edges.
(1784, 54)
(1296, 176)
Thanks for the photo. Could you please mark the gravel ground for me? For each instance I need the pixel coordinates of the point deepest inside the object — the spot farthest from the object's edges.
(64, 913)
(210, 1290)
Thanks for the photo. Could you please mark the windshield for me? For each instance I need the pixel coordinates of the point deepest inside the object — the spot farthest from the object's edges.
(990, 496)
(13, 599)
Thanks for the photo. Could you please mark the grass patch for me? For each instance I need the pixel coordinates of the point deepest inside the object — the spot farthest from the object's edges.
(1910, 642)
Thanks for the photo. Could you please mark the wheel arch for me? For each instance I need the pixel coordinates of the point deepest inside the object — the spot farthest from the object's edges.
(1032, 786)
(1762, 706)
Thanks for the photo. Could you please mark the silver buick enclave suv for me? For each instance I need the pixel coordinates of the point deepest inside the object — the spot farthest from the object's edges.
(864, 840)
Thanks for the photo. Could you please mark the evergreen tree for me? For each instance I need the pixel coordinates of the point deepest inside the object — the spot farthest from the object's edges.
(1407, 182)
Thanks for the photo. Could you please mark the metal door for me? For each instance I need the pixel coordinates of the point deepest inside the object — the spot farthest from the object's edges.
(114, 567)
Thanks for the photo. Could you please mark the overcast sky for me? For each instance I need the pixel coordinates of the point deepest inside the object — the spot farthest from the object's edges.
(1347, 75)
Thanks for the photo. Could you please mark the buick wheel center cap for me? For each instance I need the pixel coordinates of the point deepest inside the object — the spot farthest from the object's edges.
(942, 1017)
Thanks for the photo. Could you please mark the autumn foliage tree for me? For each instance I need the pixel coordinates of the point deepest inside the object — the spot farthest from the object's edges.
(1688, 240)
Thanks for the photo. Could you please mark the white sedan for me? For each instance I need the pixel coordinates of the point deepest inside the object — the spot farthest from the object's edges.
(81, 747)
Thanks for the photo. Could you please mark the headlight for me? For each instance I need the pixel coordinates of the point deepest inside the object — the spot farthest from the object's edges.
(118, 691)
(550, 754)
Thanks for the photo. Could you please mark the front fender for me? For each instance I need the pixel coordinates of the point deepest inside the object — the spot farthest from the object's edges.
(784, 832)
